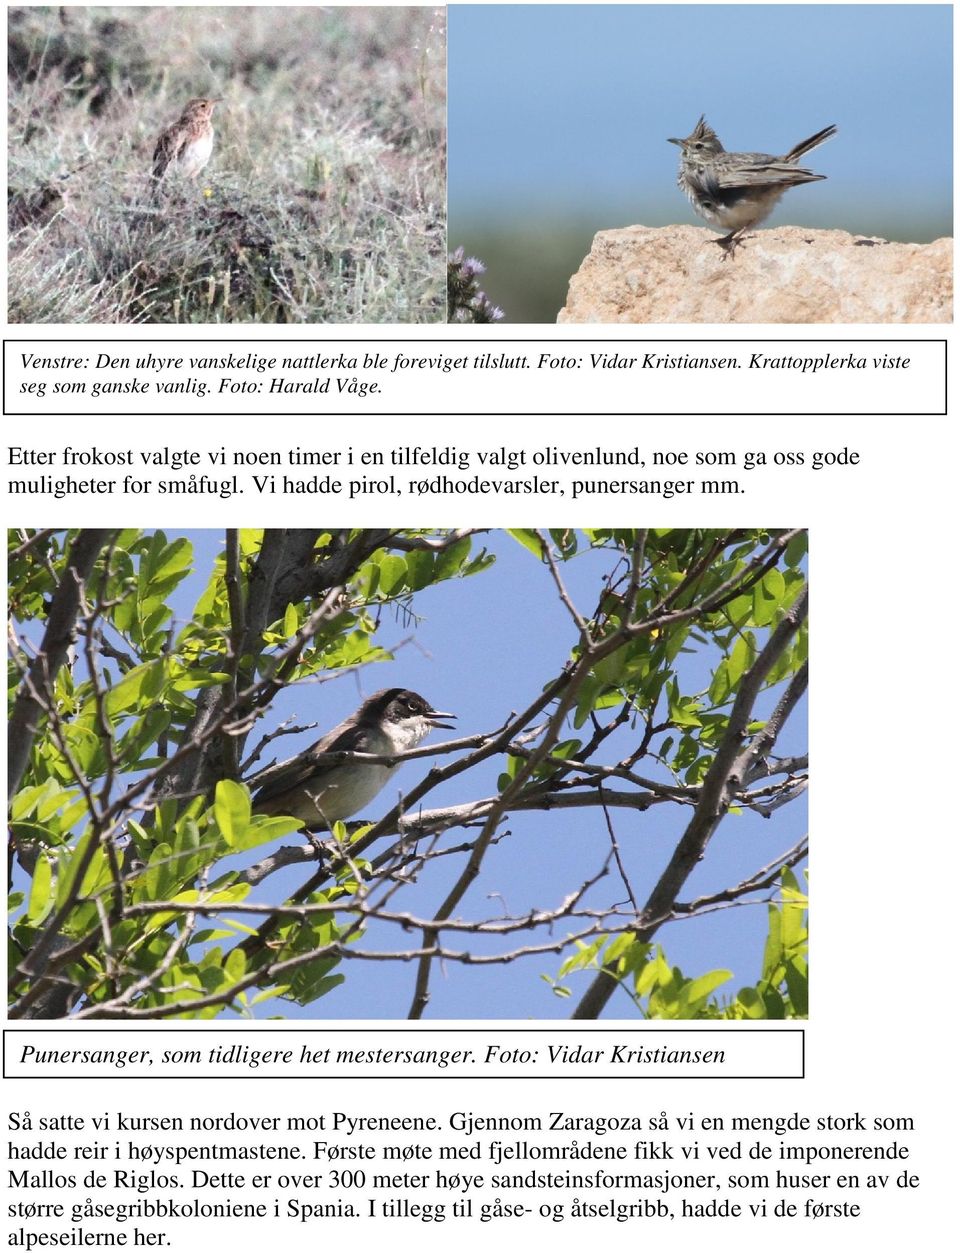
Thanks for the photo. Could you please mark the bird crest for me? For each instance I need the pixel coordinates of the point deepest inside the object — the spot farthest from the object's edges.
(704, 133)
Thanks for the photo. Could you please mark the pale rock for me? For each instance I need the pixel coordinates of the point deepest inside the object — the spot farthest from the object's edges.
(779, 274)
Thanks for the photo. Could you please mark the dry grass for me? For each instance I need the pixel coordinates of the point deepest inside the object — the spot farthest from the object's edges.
(324, 199)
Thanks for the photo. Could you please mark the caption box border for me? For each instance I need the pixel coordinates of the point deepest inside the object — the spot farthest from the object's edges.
(453, 344)
(581, 1036)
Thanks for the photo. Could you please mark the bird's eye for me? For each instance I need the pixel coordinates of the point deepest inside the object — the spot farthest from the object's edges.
(698, 144)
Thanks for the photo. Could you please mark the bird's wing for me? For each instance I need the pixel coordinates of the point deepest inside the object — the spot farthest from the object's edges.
(299, 770)
(772, 173)
(168, 149)
(293, 774)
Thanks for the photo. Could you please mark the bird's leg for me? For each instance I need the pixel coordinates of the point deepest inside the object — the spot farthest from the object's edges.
(730, 243)
(316, 842)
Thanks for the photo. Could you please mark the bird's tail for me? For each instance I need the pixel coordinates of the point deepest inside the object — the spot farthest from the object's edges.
(807, 145)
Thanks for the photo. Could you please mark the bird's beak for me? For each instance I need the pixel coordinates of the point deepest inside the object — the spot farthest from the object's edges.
(678, 142)
(433, 718)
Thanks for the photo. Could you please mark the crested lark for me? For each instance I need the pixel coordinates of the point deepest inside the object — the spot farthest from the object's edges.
(185, 146)
(735, 191)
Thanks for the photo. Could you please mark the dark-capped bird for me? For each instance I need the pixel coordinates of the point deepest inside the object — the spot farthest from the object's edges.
(393, 720)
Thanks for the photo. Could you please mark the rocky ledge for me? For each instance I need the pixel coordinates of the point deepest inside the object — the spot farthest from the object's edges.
(785, 274)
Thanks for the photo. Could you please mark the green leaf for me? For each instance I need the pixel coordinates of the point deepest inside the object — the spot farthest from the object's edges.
(262, 830)
(619, 946)
(281, 990)
(741, 659)
(308, 990)
(97, 874)
(751, 1003)
(125, 694)
(192, 679)
(699, 989)
(656, 972)
(796, 550)
(41, 896)
(169, 564)
(585, 958)
(682, 709)
(236, 965)
(231, 810)
(451, 559)
(587, 699)
(25, 800)
(795, 977)
(529, 539)
(775, 584)
(482, 561)
(157, 873)
(767, 595)
(739, 610)
(155, 679)
(565, 541)
(84, 744)
(68, 859)
(720, 684)
(610, 669)
(156, 619)
(393, 573)
(792, 928)
(140, 837)
(566, 749)
(420, 567)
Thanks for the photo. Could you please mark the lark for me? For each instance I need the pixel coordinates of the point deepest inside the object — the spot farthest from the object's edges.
(185, 147)
(736, 191)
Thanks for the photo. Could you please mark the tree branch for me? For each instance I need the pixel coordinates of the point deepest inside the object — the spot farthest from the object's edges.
(720, 785)
(59, 635)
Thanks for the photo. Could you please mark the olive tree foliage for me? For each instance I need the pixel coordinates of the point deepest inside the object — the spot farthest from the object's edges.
(133, 738)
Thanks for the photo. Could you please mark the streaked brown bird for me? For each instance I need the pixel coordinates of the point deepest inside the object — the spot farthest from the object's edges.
(185, 147)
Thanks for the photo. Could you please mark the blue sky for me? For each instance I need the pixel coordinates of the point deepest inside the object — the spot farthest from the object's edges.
(564, 110)
(483, 647)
